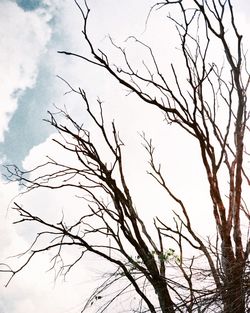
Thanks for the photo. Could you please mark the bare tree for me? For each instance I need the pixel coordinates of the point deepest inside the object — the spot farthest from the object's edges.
(211, 106)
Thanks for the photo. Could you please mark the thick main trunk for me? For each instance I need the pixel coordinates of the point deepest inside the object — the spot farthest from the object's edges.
(234, 301)
(234, 293)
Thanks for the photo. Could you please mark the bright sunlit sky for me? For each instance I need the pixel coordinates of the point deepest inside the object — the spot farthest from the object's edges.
(31, 33)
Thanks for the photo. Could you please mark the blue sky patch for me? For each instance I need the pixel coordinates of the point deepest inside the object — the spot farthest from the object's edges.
(29, 5)
(27, 128)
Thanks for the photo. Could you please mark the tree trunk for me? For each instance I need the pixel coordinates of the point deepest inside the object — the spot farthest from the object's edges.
(165, 301)
(234, 295)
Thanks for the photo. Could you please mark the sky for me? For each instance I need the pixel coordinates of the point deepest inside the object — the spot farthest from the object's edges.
(31, 33)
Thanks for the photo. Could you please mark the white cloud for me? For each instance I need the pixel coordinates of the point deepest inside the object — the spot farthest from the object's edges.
(24, 36)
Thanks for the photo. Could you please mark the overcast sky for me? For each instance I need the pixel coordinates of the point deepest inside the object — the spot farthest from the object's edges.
(31, 33)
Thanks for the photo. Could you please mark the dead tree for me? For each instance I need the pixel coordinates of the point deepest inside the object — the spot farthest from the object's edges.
(221, 283)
